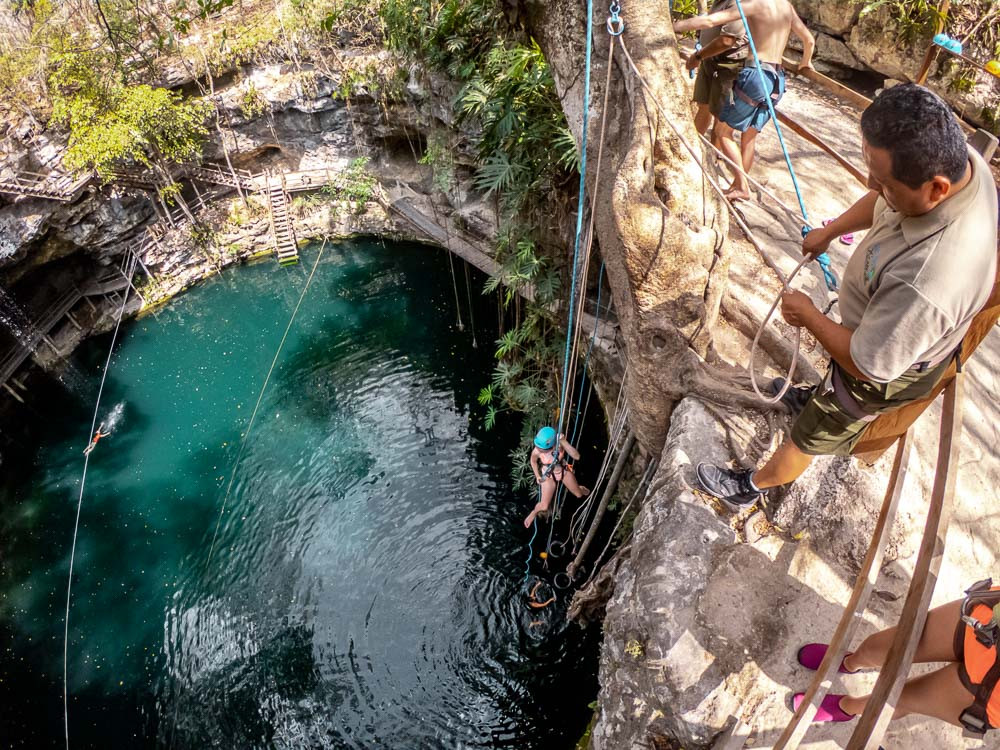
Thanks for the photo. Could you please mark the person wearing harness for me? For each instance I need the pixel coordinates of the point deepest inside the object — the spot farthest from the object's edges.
(745, 108)
(548, 463)
(964, 634)
(910, 289)
(719, 59)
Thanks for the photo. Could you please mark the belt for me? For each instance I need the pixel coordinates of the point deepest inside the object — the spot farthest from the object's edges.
(930, 364)
(773, 67)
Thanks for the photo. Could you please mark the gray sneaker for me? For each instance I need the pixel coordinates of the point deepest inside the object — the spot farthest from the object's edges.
(733, 488)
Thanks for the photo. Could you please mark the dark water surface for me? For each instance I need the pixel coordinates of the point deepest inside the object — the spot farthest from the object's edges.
(365, 587)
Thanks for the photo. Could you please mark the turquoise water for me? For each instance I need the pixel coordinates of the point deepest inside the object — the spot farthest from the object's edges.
(364, 590)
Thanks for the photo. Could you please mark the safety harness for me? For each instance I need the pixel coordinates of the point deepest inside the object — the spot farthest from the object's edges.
(557, 460)
(975, 718)
(744, 97)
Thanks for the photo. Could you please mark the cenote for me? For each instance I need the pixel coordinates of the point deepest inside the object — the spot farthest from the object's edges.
(365, 589)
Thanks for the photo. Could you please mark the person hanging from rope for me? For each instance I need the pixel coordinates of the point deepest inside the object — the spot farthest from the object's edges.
(771, 23)
(963, 634)
(97, 436)
(723, 50)
(548, 463)
(910, 289)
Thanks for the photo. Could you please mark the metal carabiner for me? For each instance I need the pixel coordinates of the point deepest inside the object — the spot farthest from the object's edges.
(615, 24)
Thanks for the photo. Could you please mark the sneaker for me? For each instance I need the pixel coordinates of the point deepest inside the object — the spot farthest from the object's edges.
(829, 709)
(733, 488)
(795, 397)
(811, 656)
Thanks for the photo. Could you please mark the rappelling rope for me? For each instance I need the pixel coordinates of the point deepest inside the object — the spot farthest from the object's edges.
(646, 476)
(586, 359)
(742, 224)
(581, 202)
(454, 286)
(534, 533)
(133, 261)
(823, 259)
(260, 398)
(472, 317)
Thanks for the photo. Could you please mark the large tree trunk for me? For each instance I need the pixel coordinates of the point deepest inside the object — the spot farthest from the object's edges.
(660, 229)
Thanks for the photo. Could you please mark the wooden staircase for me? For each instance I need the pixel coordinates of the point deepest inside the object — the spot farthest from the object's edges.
(285, 246)
(55, 186)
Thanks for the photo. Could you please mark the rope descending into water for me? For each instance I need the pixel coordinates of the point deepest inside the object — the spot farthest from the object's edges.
(133, 261)
(260, 398)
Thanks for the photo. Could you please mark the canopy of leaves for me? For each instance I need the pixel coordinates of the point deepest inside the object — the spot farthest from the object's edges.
(111, 124)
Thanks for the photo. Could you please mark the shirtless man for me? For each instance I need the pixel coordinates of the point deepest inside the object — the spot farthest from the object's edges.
(771, 23)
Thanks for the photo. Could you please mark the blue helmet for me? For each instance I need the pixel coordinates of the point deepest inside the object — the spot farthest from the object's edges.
(546, 438)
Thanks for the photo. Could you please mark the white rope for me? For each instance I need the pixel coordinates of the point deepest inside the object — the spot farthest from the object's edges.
(715, 185)
(79, 503)
(621, 517)
(260, 398)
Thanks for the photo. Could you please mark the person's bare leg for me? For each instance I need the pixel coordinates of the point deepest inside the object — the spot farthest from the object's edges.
(569, 479)
(548, 490)
(936, 640)
(702, 119)
(786, 465)
(748, 148)
(726, 142)
(939, 694)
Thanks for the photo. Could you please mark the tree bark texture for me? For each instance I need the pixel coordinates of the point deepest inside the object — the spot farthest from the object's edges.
(660, 228)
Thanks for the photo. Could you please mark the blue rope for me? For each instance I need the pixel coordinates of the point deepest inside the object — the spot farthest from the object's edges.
(586, 359)
(527, 563)
(823, 259)
(579, 212)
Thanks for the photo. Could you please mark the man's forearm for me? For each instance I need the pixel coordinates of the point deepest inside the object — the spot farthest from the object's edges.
(859, 216)
(836, 339)
(717, 46)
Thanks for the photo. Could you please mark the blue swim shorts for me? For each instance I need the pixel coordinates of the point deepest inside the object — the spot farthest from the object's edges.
(746, 108)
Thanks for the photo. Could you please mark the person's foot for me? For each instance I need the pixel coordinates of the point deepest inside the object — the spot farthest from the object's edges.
(584, 491)
(737, 194)
(811, 656)
(795, 397)
(828, 710)
(735, 489)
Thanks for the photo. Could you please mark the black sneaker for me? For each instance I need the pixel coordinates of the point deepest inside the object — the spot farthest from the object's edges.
(733, 488)
(795, 398)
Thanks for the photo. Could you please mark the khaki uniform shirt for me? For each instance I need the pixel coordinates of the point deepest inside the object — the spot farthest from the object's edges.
(912, 287)
(735, 29)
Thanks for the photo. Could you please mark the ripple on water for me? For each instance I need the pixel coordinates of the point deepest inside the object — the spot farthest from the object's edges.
(365, 590)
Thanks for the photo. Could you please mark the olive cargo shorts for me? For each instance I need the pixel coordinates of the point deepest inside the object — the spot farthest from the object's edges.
(824, 428)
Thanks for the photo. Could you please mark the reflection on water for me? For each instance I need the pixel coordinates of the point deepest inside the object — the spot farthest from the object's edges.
(366, 586)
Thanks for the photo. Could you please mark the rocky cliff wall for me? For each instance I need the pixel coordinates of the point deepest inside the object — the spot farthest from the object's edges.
(848, 40)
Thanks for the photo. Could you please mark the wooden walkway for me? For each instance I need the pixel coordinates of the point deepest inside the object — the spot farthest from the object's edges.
(54, 186)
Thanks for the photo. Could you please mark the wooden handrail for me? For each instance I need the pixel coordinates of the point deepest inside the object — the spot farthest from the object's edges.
(817, 141)
(884, 699)
(854, 608)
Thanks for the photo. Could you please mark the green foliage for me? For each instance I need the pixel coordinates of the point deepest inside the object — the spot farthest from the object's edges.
(111, 123)
(451, 35)
(441, 159)
(915, 19)
(525, 146)
(252, 103)
(356, 185)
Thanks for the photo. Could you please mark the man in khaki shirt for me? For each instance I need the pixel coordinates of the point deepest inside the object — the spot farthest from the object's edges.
(910, 290)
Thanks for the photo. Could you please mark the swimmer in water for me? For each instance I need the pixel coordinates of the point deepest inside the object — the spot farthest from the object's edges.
(97, 436)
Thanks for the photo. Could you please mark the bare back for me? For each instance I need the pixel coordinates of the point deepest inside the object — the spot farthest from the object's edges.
(771, 24)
